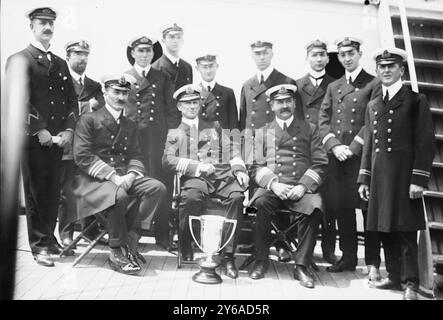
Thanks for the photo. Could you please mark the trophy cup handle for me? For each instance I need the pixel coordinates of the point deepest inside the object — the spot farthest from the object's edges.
(234, 227)
(191, 218)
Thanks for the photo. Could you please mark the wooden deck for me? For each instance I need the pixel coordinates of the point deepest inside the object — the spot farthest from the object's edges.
(162, 280)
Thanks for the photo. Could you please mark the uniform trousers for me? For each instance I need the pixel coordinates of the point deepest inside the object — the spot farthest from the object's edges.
(308, 227)
(148, 194)
(41, 168)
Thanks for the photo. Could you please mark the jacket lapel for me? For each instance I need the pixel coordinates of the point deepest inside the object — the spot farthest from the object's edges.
(397, 100)
(344, 88)
(53, 65)
(39, 56)
(109, 121)
(307, 86)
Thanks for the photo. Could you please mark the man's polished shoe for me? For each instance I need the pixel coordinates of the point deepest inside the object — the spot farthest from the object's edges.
(410, 294)
(330, 258)
(301, 274)
(259, 269)
(374, 273)
(57, 249)
(187, 255)
(341, 266)
(43, 259)
(385, 284)
(284, 255)
(120, 263)
(231, 269)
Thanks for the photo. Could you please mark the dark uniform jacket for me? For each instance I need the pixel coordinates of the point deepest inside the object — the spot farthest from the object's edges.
(312, 97)
(153, 109)
(341, 121)
(179, 76)
(183, 153)
(52, 99)
(255, 111)
(101, 147)
(295, 156)
(398, 151)
(219, 105)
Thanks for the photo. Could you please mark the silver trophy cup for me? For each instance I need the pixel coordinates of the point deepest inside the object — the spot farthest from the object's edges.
(211, 235)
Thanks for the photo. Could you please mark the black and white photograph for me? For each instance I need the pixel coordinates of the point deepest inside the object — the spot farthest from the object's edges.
(221, 155)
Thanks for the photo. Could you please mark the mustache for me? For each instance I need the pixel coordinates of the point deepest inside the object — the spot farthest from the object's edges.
(47, 32)
(285, 110)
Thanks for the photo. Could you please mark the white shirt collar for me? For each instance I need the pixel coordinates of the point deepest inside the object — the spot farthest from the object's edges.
(206, 84)
(76, 76)
(266, 73)
(170, 57)
(190, 122)
(393, 89)
(115, 114)
(282, 122)
(316, 74)
(39, 46)
(354, 74)
(140, 69)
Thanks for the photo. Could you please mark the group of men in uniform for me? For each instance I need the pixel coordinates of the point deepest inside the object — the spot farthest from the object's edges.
(329, 147)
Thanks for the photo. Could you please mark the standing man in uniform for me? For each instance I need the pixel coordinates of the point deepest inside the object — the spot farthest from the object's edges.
(218, 102)
(341, 121)
(395, 170)
(112, 175)
(90, 98)
(152, 108)
(178, 70)
(209, 165)
(255, 111)
(289, 177)
(312, 88)
(50, 122)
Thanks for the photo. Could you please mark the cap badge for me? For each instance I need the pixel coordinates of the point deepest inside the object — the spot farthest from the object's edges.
(282, 90)
(46, 10)
(386, 54)
(189, 90)
(122, 81)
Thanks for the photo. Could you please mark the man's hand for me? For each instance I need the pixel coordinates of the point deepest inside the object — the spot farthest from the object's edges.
(340, 152)
(349, 153)
(116, 179)
(363, 191)
(207, 169)
(65, 138)
(415, 191)
(44, 138)
(128, 180)
(297, 192)
(243, 179)
(280, 189)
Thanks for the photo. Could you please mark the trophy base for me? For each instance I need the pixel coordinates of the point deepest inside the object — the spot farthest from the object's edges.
(207, 276)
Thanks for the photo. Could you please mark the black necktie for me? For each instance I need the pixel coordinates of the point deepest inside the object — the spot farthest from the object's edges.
(209, 88)
(350, 81)
(285, 126)
(386, 98)
(317, 79)
(144, 74)
(262, 79)
(80, 81)
(176, 64)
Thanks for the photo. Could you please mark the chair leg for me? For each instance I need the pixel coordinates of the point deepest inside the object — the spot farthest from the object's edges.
(89, 247)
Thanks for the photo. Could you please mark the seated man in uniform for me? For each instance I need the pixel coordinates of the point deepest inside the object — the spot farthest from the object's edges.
(288, 176)
(111, 176)
(209, 165)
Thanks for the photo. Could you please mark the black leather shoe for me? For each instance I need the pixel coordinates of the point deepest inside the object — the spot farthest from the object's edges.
(57, 249)
(374, 274)
(302, 274)
(259, 269)
(231, 269)
(187, 255)
(133, 256)
(118, 262)
(284, 255)
(410, 294)
(341, 266)
(132, 248)
(330, 258)
(43, 259)
(385, 284)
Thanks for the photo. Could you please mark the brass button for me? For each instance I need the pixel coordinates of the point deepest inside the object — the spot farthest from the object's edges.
(217, 114)
(389, 130)
(294, 164)
(338, 121)
(294, 147)
(151, 119)
(293, 155)
(279, 165)
(338, 131)
(375, 113)
(152, 110)
(112, 137)
(307, 117)
(153, 86)
(112, 159)
(253, 100)
(355, 99)
(217, 97)
(293, 173)
(391, 111)
(356, 89)
(389, 149)
(139, 111)
(375, 131)
(253, 112)
(339, 91)
(152, 102)
(375, 122)
(52, 102)
(280, 174)
(252, 125)
(278, 157)
(138, 102)
(353, 110)
(389, 120)
(376, 140)
(339, 111)
(50, 88)
(352, 120)
(389, 140)
(339, 100)
(137, 94)
(350, 131)
(52, 118)
(217, 105)
(294, 138)
(377, 150)
(153, 94)
(204, 114)
(267, 111)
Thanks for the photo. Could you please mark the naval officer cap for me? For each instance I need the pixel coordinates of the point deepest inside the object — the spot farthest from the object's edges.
(206, 59)
(348, 43)
(389, 55)
(317, 45)
(77, 46)
(282, 91)
(172, 29)
(142, 41)
(47, 13)
(188, 92)
(261, 45)
(118, 81)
